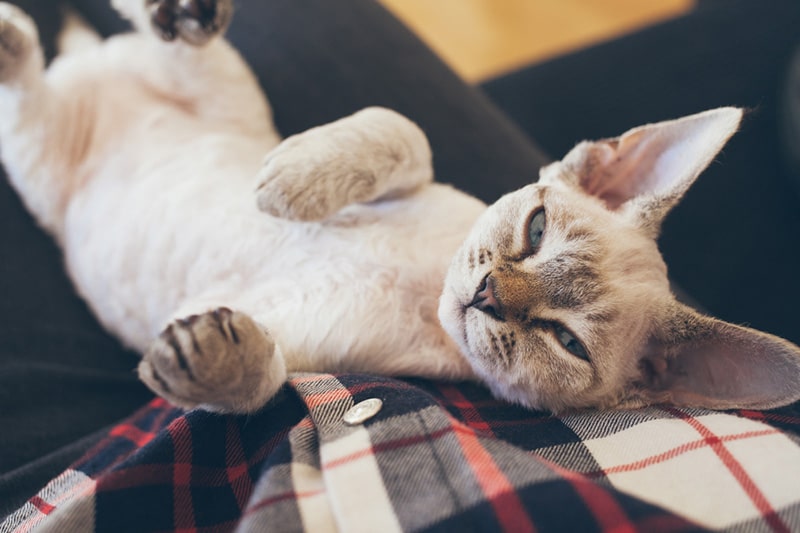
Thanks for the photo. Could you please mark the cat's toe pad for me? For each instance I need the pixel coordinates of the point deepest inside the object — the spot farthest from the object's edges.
(18, 39)
(194, 21)
(221, 360)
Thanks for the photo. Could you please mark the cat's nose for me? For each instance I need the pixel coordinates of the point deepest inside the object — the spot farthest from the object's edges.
(485, 299)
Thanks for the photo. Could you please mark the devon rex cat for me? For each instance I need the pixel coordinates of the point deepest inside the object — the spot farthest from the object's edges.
(145, 160)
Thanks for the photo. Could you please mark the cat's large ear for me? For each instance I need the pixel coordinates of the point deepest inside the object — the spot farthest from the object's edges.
(648, 169)
(698, 361)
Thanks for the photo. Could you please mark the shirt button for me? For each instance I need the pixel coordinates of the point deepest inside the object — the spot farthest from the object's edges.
(362, 411)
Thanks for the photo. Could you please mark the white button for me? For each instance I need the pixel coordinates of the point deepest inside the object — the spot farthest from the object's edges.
(363, 411)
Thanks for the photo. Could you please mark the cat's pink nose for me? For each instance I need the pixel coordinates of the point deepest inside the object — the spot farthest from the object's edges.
(485, 299)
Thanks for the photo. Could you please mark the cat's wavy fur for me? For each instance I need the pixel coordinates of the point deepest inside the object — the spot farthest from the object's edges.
(145, 160)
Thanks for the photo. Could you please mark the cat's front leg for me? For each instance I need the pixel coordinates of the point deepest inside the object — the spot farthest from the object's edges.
(373, 154)
(221, 361)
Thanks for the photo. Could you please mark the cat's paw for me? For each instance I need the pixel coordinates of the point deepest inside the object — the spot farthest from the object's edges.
(18, 41)
(221, 360)
(308, 178)
(194, 21)
(371, 155)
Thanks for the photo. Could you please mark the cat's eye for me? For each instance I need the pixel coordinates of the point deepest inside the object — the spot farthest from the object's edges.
(569, 342)
(536, 226)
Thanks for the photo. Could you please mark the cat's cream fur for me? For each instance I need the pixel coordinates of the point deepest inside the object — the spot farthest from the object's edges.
(145, 160)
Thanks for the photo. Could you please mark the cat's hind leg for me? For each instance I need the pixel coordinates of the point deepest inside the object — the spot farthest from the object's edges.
(183, 56)
(221, 361)
(31, 137)
(194, 21)
(371, 155)
(20, 54)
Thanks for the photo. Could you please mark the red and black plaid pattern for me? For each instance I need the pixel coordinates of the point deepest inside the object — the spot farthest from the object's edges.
(436, 457)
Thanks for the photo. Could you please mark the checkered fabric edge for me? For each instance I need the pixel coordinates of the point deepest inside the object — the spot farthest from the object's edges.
(436, 457)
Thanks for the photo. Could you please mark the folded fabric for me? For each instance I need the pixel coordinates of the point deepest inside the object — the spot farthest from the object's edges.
(326, 455)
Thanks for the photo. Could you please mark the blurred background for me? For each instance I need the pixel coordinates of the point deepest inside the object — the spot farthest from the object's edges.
(481, 39)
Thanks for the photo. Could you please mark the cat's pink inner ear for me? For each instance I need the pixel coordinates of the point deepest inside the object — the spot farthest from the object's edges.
(657, 161)
(710, 363)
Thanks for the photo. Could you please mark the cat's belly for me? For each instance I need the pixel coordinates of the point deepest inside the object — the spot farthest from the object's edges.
(164, 247)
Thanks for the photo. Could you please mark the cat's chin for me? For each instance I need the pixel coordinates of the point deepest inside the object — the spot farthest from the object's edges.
(453, 318)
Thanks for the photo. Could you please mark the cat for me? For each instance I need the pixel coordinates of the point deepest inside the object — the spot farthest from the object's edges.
(143, 156)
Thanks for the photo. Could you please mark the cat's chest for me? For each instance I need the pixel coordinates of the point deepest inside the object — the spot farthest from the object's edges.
(166, 241)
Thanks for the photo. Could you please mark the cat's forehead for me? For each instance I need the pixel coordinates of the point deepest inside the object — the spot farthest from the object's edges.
(566, 202)
(571, 216)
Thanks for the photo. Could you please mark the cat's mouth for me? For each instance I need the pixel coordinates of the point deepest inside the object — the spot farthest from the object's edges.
(461, 320)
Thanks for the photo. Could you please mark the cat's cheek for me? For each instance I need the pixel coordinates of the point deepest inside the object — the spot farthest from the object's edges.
(451, 317)
(455, 320)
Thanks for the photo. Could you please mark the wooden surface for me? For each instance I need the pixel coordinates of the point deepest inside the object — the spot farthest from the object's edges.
(483, 38)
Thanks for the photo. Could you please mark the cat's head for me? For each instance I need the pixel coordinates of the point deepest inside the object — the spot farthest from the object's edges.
(559, 298)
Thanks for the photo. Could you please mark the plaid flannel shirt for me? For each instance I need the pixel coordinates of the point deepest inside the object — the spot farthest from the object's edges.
(435, 457)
